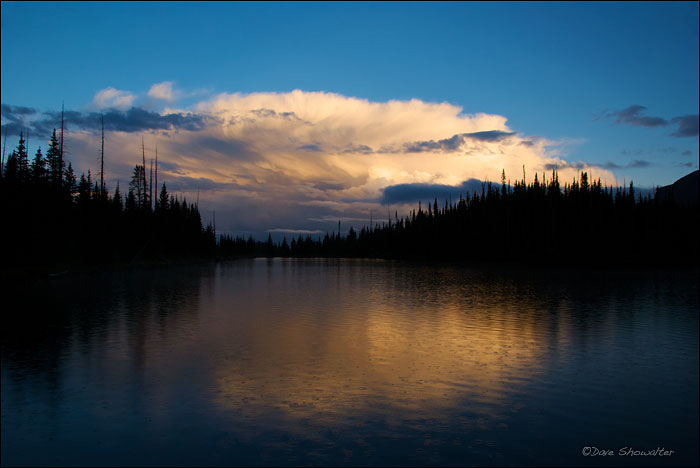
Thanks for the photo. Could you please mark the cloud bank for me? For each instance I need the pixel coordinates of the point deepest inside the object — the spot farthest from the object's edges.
(292, 162)
(18, 119)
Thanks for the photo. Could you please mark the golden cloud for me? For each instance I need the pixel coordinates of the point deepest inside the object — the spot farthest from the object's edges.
(287, 150)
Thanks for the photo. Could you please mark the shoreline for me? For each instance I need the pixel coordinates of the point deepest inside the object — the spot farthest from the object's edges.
(53, 272)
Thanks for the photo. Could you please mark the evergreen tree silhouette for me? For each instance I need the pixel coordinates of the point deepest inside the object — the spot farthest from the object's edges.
(162, 203)
(117, 199)
(22, 160)
(53, 159)
(39, 173)
(71, 184)
(10, 173)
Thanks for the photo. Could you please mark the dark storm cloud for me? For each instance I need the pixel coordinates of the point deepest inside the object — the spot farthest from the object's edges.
(137, 119)
(687, 126)
(8, 110)
(453, 143)
(14, 119)
(447, 145)
(326, 186)
(636, 164)
(361, 149)
(565, 165)
(490, 135)
(632, 115)
(411, 193)
(264, 112)
(422, 146)
(133, 120)
(271, 113)
(315, 147)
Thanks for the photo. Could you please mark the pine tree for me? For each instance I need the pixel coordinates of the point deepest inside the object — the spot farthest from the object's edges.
(117, 199)
(137, 185)
(71, 185)
(22, 160)
(38, 169)
(89, 184)
(83, 190)
(53, 160)
(163, 199)
(503, 183)
(269, 248)
(130, 204)
(10, 173)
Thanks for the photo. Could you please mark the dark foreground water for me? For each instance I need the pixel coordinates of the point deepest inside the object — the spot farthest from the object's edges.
(315, 362)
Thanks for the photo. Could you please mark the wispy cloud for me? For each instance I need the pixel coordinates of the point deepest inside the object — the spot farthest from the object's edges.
(635, 164)
(634, 115)
(609, 165)
(578, 165)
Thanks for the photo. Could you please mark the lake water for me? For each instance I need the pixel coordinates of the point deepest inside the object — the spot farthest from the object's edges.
(352, 362)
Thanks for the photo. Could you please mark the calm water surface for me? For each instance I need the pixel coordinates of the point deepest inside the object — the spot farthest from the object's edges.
(315, 362)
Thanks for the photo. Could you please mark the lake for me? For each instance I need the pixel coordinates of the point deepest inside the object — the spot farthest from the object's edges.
(352, 362)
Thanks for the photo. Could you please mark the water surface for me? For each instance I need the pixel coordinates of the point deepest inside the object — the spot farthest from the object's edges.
(357, 362)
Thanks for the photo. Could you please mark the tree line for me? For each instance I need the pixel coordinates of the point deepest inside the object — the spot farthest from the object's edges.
(52, 218)
(580, 223)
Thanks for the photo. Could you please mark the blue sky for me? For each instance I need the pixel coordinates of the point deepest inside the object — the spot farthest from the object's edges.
(568, 73)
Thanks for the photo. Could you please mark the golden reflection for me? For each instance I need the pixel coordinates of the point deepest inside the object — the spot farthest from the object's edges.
(393, 349)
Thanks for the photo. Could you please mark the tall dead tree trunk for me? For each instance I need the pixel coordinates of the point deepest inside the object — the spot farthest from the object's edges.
(150, 190)
(2, 166)
(102, 160)
(156, 174)
(145, 188)
(60, 153)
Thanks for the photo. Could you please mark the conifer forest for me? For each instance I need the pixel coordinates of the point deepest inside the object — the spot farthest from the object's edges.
(54, 219)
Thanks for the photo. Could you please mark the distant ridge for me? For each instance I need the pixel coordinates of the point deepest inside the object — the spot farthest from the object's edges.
(685, 190)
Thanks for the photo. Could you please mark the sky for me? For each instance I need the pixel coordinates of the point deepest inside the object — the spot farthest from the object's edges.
(286, 118)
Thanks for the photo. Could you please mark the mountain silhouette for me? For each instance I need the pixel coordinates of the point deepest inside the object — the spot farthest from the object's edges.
(685, 190)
